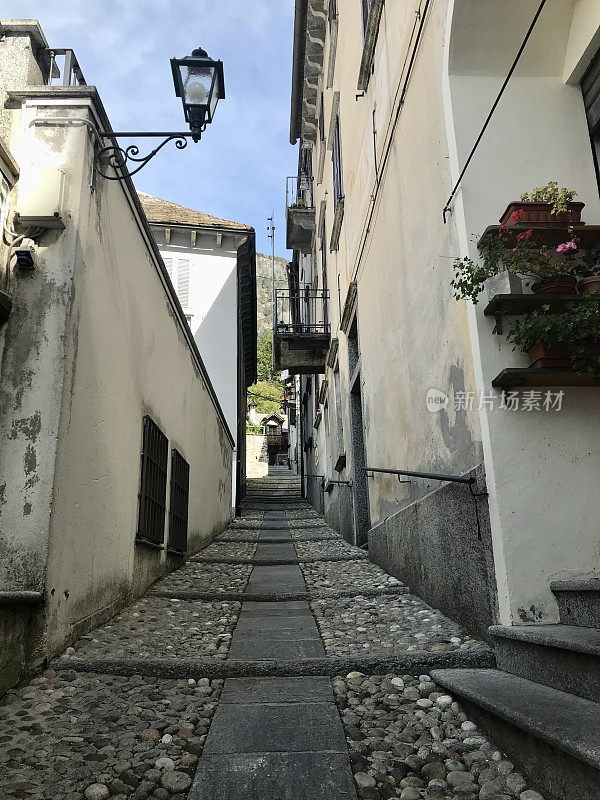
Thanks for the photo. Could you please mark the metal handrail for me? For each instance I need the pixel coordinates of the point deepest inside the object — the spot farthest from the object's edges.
(71, 73)
(434, 476)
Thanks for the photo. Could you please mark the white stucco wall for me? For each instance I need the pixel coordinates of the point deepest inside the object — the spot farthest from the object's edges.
(541, 472)
(211, 305)
(542, 468)
(100, 345)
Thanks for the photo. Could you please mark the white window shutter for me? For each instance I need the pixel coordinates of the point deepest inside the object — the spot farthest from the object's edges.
(169, 266)
(183, 281)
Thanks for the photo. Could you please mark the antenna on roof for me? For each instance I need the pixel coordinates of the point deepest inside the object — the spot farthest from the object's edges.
(271, 235)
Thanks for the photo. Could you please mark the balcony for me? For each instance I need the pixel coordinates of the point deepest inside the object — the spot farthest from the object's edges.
(301, 335)
(277, 441)
(300, 214)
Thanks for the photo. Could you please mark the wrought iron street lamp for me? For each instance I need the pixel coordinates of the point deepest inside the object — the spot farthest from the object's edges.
(199, 82)
(200, 85)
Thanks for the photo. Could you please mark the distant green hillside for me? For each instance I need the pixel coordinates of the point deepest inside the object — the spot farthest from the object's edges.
(268, 385)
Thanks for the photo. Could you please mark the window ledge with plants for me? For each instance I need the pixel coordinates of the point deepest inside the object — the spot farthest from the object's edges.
(542, 265)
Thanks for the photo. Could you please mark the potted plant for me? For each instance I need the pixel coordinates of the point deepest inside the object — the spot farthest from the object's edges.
(520, 255)
(569, 340)
(546, 205)
(588, 270)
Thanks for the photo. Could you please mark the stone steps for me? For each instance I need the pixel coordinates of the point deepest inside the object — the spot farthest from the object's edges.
(564, 657)
(411, 663)
(267, 597)
(553, 736)
(578, 602)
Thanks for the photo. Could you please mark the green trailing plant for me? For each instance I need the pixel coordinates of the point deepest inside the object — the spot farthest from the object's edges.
(519, 254)
(576, 327)
(588, 264)
(551, 193)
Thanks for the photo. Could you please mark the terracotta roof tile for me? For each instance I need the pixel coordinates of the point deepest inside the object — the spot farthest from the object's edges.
(162, 211)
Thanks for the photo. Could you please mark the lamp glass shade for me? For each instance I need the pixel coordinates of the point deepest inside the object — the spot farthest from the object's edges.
(198, 85)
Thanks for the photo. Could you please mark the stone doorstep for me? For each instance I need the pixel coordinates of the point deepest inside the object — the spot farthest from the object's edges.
(403, 663)
(565, 657)
(567, 723)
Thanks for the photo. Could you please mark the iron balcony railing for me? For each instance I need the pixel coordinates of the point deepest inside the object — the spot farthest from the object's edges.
(64, 68)
(301, 311)
(299, 192)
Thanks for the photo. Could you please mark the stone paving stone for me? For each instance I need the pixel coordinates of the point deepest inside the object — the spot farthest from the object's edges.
(285, 647)
(392, 623)
(217, 578)
(274, 776)
(277, 690)
(408, 738)
(346, 575)
(66, 731)
(273, 609)
(275, 728)
(277, 580)
(273, 551)
(156, 627)
(277, 533)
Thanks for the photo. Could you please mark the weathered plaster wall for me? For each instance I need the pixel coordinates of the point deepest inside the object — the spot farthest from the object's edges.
(542, 467)
(95, 344)
(412, 335)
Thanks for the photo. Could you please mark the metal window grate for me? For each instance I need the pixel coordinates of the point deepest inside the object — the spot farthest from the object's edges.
(179, 502)
(153, 484)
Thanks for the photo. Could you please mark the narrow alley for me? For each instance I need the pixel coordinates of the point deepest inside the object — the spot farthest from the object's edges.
(279, 663)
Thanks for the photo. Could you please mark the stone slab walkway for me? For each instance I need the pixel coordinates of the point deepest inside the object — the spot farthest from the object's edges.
(244, 677)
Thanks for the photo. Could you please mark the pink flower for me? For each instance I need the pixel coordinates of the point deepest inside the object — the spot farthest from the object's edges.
(567, 247)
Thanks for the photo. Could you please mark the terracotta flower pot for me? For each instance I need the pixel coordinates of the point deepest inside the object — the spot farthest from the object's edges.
(558, 356)
(555, 357)
(589, 285)
(559, 284)
(541, 214)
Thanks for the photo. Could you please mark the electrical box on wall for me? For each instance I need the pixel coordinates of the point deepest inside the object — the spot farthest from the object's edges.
(40, 199)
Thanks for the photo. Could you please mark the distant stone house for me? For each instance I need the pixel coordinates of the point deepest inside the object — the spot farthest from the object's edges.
(212, 265)
(273, 430)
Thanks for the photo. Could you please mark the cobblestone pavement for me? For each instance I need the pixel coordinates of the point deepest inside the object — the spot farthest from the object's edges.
(217, 578)
(401, 622)
(157, 627)
(66, 732)
(78, 735)
(349, 575)
(409, 739)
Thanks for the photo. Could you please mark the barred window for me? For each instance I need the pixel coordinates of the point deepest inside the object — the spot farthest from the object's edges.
(179, 502)
(153, 485)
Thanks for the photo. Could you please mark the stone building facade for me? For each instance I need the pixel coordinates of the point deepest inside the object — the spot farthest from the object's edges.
(395, 374)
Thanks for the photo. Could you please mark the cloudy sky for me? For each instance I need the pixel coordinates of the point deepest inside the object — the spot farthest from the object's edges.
(238, 170)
